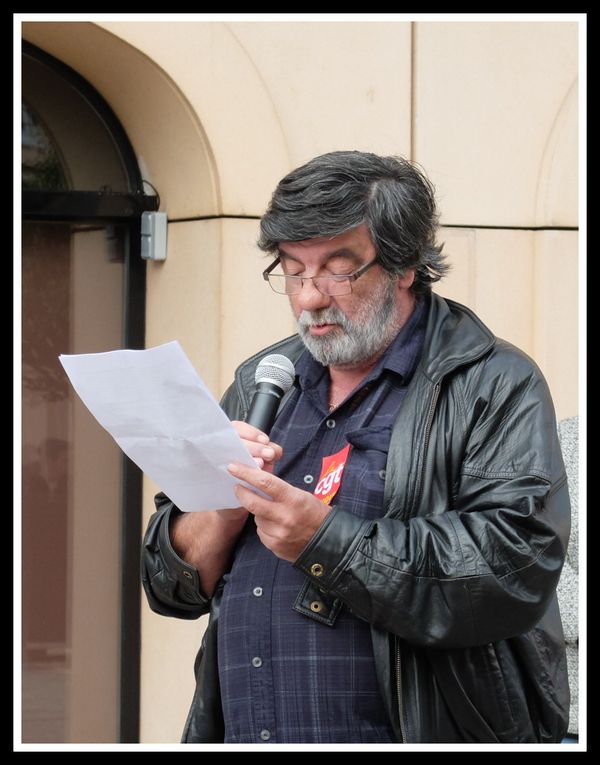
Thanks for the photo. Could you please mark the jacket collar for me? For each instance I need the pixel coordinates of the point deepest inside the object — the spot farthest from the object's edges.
(455, 336)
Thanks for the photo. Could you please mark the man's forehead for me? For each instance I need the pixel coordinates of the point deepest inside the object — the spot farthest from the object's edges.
(355, 240)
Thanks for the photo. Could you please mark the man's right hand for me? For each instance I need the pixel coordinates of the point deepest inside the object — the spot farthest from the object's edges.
(264, 451)
(205, 540)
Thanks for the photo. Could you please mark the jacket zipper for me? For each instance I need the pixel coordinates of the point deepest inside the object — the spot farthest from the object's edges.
(428, 424)
(399, 692)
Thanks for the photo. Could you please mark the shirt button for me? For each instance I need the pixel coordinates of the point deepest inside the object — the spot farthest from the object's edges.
(382, 475)
(316, 606)
(257, 591)
(308, 479)
(317, 569)
(265, 734)
(257, 661)
(330, 424)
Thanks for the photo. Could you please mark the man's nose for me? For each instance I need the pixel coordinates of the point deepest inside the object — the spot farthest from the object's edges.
(310, 299)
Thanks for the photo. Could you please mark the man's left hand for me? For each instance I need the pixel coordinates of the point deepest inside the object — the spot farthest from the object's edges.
(285, 521)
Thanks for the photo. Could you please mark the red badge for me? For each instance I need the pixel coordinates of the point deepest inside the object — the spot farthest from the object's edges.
(332, 471)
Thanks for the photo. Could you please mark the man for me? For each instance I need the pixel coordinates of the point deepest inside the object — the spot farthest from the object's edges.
(415, 602)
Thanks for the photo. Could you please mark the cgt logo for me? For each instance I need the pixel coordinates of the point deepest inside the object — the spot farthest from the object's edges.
(332, 471)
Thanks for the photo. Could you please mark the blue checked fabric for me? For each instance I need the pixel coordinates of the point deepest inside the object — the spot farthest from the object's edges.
(285, 676)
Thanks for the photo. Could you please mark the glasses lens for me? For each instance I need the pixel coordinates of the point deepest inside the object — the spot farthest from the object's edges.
(292, 285)
(331, 285)
(284, 285)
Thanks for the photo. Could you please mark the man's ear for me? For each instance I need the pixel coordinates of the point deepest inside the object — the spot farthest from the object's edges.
(405, 281)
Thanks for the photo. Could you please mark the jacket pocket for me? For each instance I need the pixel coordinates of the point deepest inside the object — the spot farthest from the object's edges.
(473, 685)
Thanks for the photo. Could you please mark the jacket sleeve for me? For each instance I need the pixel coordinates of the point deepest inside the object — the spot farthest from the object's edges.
(480, 560)
(171, 585)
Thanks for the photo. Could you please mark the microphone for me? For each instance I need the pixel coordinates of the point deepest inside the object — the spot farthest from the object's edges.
(274, 377)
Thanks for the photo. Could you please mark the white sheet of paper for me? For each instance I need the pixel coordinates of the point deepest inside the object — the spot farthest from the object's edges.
(162, 415)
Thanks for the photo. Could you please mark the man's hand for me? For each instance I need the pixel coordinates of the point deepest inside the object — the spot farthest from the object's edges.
(206, 540)
(264, 451)
(285, 521)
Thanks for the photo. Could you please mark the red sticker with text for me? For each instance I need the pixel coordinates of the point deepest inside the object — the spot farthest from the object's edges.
(332, 471)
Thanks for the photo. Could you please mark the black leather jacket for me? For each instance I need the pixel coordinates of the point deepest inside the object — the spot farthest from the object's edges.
(458, 577)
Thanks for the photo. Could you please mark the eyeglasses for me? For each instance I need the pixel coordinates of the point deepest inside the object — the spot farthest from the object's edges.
(333, 285)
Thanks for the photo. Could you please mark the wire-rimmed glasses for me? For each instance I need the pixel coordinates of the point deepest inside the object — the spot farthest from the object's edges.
(332, 284)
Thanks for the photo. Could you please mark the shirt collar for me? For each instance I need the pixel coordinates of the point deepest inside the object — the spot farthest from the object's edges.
(404, 351)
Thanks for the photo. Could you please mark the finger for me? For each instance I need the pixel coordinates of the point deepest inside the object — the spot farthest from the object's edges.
(257, 442)
(267, 528)
(249, 432)
(277, 451)
(259, 451)
(269, 484)
(268, 540)
(253, 502)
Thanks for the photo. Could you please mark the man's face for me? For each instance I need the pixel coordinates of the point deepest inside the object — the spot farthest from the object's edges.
(345, 330)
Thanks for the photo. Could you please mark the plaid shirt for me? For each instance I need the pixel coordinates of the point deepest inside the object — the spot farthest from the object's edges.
(289, 675)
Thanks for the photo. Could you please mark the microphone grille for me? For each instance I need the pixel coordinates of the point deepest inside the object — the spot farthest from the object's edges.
(277, 369)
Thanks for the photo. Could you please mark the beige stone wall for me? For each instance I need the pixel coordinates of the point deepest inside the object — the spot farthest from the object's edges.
(496, 127)
(495, 114)
(219, 112)
(524, 286)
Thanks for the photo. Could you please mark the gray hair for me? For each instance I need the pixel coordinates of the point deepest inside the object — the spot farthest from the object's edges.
(338, 191)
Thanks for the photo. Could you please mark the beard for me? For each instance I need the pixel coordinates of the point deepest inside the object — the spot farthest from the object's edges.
(353, 341)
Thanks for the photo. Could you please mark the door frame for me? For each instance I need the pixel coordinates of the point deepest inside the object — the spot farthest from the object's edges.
(108, 207)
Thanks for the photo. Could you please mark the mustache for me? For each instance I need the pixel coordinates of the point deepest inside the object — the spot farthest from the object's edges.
(330, 315)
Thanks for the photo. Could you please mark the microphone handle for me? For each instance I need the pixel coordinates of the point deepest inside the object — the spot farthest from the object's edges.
(264, 406)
